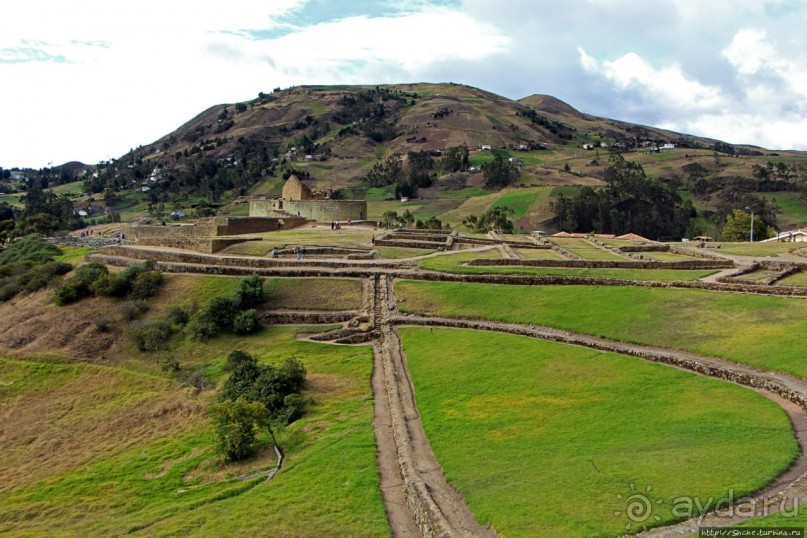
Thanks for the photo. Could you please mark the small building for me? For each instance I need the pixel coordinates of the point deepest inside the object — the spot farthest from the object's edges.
(794, 236)
(298, 200)
(486, 147)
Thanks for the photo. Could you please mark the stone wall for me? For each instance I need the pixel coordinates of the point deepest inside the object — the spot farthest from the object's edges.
(252, 225)
(608, 264)
(319, 210)
(205, 245)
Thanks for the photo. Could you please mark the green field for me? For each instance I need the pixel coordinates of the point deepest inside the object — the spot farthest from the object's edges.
(149, 469)
(762, 331)
(452, 263)
(793, 209)
(798, 279)
(564, 431)
(755, 249)
(345, 237)
(395, 253)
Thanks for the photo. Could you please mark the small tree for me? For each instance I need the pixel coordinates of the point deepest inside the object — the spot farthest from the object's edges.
(235, 425)
(738, 227)
(499, 173)
(251, 292)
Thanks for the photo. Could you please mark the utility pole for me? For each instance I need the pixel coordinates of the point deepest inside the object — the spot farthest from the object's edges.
(752, 223)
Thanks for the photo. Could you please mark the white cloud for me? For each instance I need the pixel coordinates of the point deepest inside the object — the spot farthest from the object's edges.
(668, 86)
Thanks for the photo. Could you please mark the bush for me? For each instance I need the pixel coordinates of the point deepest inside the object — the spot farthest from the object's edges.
(202, 328)
(178, 315)
(8, 289)
(246, 322)
(146, 284)
(235, 426)
(80, 284)
(39, 276)
(29, 248)
(221, 312)
(251, 292)
(115, 285)
(69, 292)
(131, 310)
(266, 384)
(151, 336)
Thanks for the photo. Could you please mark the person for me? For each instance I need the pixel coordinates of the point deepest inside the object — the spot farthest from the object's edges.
(332, 225)
(302, 253)
(274, 252)
(297, 251)
(372, 240)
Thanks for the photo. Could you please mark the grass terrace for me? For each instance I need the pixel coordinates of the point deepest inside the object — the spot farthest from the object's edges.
(395, 253)
(798, 279)
(586, 250)
(345, 237)
(556, 426)
(150, 469)
(453, 263)
(762, 331)
(754, 249)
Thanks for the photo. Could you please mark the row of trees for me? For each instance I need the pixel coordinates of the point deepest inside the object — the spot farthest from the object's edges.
(630, 202)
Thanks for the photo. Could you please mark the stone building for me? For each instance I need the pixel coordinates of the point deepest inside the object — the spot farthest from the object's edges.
(298, 201)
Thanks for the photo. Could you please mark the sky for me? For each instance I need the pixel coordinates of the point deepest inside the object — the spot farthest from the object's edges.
(88, 80)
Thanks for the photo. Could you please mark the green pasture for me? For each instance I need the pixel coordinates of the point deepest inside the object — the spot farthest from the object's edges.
(797, 279)
(793, 209)
(165, 481)
(394, 253)
(323, 236)
(567, 433)
(453, 263)
(773, 248)
(762, 331)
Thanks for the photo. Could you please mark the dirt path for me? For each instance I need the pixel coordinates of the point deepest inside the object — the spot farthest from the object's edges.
(790, 393)
(436, 507)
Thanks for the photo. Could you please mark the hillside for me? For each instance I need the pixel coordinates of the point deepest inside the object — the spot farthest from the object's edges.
(332, 136)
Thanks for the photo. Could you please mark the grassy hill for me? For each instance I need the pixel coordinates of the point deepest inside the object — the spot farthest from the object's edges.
(332, 136)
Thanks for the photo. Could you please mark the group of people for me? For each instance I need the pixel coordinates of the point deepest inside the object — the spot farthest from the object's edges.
(299, 251)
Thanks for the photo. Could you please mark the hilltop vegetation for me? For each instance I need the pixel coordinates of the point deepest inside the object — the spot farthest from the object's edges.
(450, 148)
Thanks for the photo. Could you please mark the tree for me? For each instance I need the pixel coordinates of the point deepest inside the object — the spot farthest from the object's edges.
(251, 292)
(738, 227)
(235, 425)
(499, 173)
(455, 159)
(494, 219)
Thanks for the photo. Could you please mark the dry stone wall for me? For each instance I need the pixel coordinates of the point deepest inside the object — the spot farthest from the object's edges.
(607, 264)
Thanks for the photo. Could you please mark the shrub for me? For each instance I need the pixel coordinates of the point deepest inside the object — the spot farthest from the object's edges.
(131, 310)
(246, 322)
(201, 328)
(80, 284)
(115, 285)
(31, 247)
(178, 315)
(251, 292)
(36, 277)
(235, 426)
(69, 292)
(221, 312)
(146, 284)
(8, 289)
(151, 336)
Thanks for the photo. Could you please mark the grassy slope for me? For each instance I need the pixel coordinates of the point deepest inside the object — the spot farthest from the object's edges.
(151, 439)
(762, 331)
(563, 431)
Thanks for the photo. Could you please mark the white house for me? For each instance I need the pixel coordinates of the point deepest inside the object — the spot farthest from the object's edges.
(667, 146)
(795, 236)
(485, 147)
